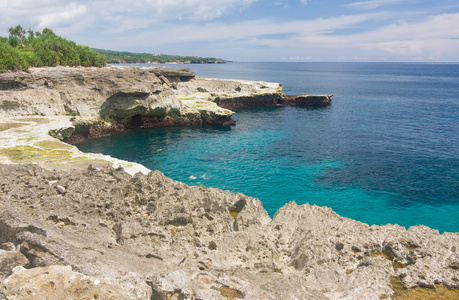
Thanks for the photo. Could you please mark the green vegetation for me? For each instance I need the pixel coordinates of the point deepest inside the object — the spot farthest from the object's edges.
(24, 49)
(115, 57)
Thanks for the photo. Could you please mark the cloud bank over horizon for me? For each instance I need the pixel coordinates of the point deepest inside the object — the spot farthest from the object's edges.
(251, 30)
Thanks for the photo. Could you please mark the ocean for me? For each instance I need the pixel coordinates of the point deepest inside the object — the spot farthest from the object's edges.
(385, 151)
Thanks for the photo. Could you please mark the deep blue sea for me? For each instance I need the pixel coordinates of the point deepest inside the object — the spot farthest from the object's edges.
(385, 151)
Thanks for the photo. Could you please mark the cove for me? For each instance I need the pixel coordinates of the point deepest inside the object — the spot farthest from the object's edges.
(385, 151)
(264, 156)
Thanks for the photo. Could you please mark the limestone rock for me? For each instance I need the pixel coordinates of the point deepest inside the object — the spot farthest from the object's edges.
(60, 282)
(105, 100)
(60, 189)
(9, 260)
(234, 94)
(307, 100)
(151, 233)
(81, 92)
(179, 285)
(231, 94)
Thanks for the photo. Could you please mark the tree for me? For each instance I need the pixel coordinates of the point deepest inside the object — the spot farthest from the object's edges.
(28, 48)
(17, 36)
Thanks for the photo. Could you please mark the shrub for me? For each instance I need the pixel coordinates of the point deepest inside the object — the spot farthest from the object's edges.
(11, 58)
(45, 48)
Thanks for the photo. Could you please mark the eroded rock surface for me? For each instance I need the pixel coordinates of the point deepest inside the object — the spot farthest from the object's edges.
(110, 99)
(167, 239)
(234, 94)
(105, 100)
(101, 232)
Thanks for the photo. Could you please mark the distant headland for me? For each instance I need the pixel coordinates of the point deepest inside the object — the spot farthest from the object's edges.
(27, 48)
(123, 57)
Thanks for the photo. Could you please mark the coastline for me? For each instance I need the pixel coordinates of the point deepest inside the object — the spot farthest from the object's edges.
(238, 248)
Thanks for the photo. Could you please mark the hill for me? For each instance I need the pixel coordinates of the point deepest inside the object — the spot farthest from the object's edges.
(117, 57)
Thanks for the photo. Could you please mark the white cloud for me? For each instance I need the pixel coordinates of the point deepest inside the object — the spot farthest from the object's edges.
(66, 16)
(152, 26)
(433, 38)
(176, 9)
(251, 29)
(372, 4)
(118, 13)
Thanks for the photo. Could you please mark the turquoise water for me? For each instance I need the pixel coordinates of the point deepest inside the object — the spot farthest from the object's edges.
(385, 151)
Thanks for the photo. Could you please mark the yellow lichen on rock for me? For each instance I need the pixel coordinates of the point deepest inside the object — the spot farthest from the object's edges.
(27, 140)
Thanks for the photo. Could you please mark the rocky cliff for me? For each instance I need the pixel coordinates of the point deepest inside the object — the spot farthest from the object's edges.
(86, 226)
(105, 100)
(234, 94)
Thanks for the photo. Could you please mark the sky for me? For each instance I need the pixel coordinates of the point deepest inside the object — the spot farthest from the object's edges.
(252, 30)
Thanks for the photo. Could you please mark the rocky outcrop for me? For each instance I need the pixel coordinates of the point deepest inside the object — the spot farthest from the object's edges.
(104, 100)
(163, 238)
(72, 231)
(236, 94)
(84, 92)
(307, 100)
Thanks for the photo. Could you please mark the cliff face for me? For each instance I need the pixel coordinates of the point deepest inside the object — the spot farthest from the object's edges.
(85, 92)
(104, 100)
(74, 226)
(235, 94)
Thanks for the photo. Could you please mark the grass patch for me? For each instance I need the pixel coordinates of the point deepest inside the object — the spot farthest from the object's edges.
(374, 254)
(83, 159)
(234, 214)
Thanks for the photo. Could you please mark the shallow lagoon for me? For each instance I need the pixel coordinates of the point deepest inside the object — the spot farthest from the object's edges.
(385, 151)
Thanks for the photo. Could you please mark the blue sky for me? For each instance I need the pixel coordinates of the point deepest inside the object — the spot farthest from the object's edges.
(253, 30)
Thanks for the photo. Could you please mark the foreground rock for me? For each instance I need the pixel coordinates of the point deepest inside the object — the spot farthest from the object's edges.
(142, 235)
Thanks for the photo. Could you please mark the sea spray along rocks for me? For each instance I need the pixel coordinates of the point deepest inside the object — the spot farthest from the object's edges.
(163, 238)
